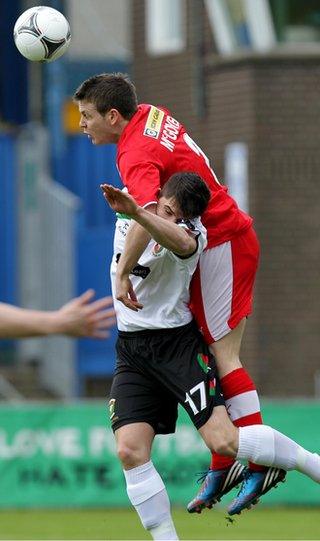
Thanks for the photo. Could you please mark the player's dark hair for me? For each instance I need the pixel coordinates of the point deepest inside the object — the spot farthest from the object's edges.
(190, 192)
(109, 91)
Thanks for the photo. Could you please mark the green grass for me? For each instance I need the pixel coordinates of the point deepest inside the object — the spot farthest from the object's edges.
(260, 523)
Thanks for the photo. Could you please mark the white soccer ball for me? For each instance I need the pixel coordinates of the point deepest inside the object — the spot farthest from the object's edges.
(42, 34)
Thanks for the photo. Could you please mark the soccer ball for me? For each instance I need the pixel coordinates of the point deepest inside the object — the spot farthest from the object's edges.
(42, 34)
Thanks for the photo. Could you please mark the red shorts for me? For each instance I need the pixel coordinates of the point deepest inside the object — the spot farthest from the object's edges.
(222, 286)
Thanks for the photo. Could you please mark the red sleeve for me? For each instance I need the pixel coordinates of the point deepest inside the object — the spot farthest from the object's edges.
(141, 177)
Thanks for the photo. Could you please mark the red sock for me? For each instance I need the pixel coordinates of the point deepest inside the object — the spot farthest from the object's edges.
(243, 407)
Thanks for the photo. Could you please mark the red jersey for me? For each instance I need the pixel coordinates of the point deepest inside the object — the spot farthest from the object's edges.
(152, 147)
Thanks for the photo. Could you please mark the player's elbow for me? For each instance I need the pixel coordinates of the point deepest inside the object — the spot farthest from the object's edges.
(187, 247)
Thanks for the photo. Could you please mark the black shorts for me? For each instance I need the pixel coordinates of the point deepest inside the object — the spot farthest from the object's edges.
(156, 370)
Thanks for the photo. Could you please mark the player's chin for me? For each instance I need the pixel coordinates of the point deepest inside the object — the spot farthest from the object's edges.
(97, 141)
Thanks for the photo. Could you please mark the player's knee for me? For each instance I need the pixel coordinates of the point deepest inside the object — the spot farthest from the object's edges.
(224, 446)
(129, 456)
(224, 442)
(222, 439)
(220, 434)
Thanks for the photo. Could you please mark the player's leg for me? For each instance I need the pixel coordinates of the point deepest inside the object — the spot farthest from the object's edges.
(221, 305)
(265, 445)
(260, 443)
(243, 407)
(136, 410)
(145, 488)
(224, 282)
(134, 442)
(225, 472)
(198, 391)
(239, 391)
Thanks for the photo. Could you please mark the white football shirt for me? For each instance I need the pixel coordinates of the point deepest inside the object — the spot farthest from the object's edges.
(161, 282)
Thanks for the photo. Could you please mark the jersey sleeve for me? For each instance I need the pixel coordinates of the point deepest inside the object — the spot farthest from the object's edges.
(141, 176)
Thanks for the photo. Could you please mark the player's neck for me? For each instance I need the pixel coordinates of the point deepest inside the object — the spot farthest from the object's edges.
(121, 126)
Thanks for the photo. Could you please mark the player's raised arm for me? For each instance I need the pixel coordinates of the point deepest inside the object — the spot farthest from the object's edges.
(137, 240)
(162, 230)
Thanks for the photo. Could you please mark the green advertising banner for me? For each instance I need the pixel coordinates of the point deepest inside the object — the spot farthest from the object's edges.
(63, 455)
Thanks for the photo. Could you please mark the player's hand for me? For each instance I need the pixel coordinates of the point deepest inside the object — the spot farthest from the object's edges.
(81, 317)
(118, 200)
(125, 293)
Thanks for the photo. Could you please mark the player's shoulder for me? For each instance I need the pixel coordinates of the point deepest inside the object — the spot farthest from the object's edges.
(146, 124)
(151, 134)
(150, 122)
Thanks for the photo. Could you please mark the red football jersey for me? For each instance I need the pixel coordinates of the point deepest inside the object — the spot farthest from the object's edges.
(152, 147)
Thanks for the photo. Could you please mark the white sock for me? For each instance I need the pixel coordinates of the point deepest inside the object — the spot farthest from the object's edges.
(265, 445)
(149, 497)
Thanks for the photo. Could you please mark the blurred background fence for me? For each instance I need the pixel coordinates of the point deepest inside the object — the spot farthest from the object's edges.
(57, 242)
(47, 240)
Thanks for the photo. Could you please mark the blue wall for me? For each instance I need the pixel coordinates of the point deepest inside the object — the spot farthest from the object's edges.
(84, 169)
(8, 225)
(13, 67)
(8, 219)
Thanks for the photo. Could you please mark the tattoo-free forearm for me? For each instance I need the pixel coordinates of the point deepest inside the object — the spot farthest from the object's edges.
(167, 234)
(18, 322)
(137, 240)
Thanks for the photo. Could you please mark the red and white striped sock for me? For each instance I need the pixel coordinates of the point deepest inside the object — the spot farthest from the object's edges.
(243, 406)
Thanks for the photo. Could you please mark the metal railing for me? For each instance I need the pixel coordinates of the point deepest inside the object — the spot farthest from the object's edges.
(9, 392)
(47, 214)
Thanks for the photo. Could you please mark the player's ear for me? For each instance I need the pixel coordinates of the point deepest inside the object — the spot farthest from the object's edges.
(114, 116)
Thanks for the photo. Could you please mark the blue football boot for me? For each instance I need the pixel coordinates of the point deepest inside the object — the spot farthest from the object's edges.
(254, 485)
(216, 483)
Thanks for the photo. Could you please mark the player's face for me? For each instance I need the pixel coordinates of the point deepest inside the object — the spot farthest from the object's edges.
(100, 128)
(168, 209)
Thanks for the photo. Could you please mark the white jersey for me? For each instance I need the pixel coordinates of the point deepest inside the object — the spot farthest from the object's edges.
(161, 281)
